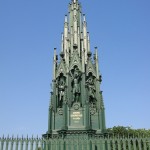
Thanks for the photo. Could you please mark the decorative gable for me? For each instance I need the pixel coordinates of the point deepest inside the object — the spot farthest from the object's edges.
(90, 68)
(61, 69)
(75, 61)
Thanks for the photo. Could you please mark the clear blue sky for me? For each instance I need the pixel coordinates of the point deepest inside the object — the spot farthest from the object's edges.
(30, 29)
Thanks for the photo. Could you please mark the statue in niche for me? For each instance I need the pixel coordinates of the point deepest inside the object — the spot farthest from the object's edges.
(92, 90)
(61, 91)
(76, 84)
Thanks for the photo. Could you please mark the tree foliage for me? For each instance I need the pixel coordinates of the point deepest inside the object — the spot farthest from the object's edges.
(128, 131)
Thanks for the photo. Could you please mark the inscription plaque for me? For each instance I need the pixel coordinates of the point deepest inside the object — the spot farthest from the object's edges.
(76, 118)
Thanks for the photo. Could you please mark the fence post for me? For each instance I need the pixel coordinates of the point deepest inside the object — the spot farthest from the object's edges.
(41, 144)
(17, 142)
(31, 144)
(118, 144)
(7, 141)
(113, 141)
(129, 144)
(98, 143)
(149, 143)
(2, 143)
(144, 144)
(47, 143)
(12, 143)
(62, 144)
(88, 144)
(108, 144)
(22, 141)
(134, 144)
(92, 144)
(103, 144)
(57, 144)
(139, 144)
(124, 144)
(26, 146)
(72, 145)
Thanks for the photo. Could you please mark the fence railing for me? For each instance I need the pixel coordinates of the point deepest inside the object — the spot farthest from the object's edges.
(74, 143)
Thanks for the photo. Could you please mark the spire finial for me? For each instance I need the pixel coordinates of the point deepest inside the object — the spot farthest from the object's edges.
(84, 18)
(55, 54)
(96, 52)
(66, 19)
(74, 1)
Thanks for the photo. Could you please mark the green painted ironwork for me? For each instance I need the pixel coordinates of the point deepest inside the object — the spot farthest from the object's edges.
(75, 143)
(76, 103)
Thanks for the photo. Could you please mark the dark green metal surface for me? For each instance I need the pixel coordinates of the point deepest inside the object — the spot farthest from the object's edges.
(76, 105)
(75, 142)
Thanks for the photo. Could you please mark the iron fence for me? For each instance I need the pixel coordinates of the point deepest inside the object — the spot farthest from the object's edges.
(73, 143)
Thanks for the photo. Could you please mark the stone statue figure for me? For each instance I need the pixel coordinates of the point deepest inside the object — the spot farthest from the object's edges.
(76, 85)
(91, 89)
(61, 90)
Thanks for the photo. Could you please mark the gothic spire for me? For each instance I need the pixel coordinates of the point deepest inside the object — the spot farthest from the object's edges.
(76, 100)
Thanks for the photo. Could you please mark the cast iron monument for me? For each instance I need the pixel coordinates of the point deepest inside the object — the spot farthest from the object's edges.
(76, 106)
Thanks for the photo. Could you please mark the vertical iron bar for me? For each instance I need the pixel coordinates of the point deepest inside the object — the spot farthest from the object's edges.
(26, 146)
(139, 144)
(7, 142)
(98, 144)
(103, 144)
(36, 147)
(31, 145)
(124, 144)
(134, 144)
(17, 142)
(144, 144)
(2, 143)
(21, 146)
(47, 144)
(72, 147)
(118, 143)
(12, 143)
(62, 144)
(113, 144)
(92, 144)
(108, 144)
(129, 144)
